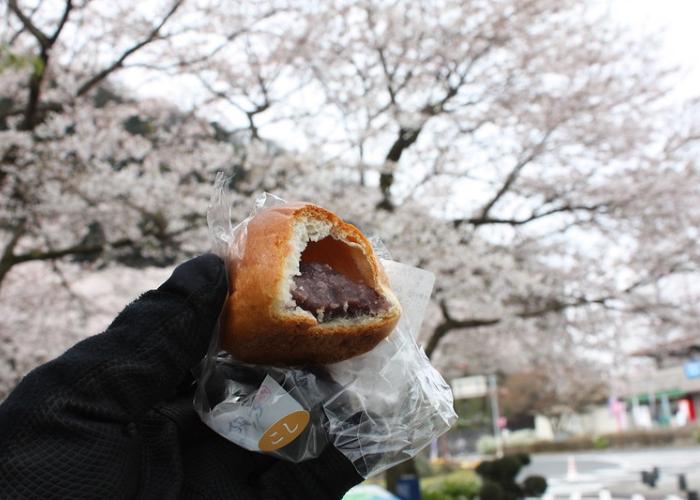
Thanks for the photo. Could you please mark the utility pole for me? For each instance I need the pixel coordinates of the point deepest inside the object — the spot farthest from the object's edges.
(495, 414)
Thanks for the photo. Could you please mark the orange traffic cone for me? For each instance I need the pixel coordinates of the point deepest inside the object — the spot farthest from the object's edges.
(571, 473)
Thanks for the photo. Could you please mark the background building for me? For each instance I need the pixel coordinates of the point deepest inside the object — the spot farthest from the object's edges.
(669, 393)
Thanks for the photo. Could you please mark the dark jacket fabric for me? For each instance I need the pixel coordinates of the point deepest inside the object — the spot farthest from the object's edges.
(112, 417)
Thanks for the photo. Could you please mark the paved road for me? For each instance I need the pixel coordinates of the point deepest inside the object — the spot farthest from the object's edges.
(587, 473)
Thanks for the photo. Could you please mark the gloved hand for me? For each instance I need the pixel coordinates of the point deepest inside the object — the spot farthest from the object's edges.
(113, 418)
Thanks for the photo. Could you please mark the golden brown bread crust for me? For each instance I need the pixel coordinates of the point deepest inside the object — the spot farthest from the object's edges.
(255, 328)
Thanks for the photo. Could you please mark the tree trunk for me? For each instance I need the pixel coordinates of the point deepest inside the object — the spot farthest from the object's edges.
(7, 258)
(5, 266)
(403, 141)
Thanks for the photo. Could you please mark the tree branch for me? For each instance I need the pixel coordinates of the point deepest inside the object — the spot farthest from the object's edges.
(29, 25)
(478, 221)
(41, 107)
(79, 249)
(408, 136)
(249, 114)
(449, 323)
(17, 34)
(6, 261)
(389, 75)
(153, 35)
(405, 139)
(45, 45)
(62, 22)
(513, 175)
(9, 259)
(228, 39)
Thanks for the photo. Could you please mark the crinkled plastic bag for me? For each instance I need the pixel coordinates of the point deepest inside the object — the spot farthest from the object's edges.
(377, 409)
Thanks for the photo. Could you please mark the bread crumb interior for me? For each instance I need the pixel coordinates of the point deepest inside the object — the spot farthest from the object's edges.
(314, 240)
(340, 256)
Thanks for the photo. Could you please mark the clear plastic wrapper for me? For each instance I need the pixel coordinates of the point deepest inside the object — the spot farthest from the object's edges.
(377, 409)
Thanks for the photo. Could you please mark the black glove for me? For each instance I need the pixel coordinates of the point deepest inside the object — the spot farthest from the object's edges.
(113, 416)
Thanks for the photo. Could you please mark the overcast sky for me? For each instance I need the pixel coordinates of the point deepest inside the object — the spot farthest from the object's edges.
(679, 21)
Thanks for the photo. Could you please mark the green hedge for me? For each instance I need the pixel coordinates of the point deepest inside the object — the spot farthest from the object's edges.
(460, 485)
(637, 438)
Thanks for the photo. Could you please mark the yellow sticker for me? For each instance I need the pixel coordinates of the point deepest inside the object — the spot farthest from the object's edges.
(284, 431)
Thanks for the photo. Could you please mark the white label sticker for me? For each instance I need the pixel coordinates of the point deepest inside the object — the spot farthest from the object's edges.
(272, 419)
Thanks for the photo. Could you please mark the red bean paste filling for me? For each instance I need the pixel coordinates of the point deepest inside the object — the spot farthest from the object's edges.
(322, 288)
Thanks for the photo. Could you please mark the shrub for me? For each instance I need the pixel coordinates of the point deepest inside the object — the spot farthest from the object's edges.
(453, 489)
(459, 485)
(486, 445)
(491, 491)
(601, 442)
(499, 479)
(524, 458)
(423, 467)
(534, 486)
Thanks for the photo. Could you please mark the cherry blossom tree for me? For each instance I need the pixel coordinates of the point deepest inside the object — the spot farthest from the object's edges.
(526, 152)
(535, 129)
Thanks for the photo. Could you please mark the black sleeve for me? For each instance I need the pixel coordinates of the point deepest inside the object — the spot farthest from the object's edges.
(72, 427)
(214, 468)
(110, 419)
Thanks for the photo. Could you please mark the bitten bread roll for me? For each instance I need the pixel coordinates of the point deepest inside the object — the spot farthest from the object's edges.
(308, 289)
